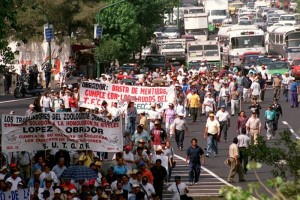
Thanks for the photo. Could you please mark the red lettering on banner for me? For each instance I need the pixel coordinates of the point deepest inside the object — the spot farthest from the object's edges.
(95, 93)
(153, 91)
(134, 90)
(120, 88)
(112, 96)
(109, 125)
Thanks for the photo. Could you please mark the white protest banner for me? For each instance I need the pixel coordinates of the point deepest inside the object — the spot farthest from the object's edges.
(69, 131)
(92, 95)
(23, 194)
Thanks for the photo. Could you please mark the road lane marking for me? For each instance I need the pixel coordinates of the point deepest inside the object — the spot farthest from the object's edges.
(3, 102)
(291, 129)
(209, 172)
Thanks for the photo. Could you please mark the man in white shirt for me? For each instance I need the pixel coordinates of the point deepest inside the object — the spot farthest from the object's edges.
(202, 68)
(153, 115)
(114, 110)
(178, 188)
(146, 187)
(243, 144)
(255, 89)
(224, 119)
(286, 80)
(209, 104)
(211, 133)
(193, 70)
(14, 180)
(181, 69)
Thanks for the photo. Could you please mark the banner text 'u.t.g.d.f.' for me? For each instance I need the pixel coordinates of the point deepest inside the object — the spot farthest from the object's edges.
(69, 131)
(92, 94)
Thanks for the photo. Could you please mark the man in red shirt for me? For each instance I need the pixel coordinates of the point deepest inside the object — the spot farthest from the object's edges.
(157, 134)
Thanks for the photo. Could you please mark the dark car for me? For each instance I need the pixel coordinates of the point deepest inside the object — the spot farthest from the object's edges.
(249, 59)
(128, 68)
(154, 61)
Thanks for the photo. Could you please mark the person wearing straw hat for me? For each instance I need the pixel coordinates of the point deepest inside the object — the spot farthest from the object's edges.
(30, 111)
(15, 180)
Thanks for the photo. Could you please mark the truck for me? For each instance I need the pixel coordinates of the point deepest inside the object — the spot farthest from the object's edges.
(173, 51)
(196, 25)
(217, 11)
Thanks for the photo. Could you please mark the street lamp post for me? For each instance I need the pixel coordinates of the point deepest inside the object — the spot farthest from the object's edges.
(98, 19)
(48, 27)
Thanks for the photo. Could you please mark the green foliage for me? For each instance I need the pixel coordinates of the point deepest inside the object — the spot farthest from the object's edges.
(283, 156)
(8, 24)
(107, 51)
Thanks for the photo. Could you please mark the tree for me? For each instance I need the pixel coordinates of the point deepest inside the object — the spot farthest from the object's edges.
(108, 51)
(8, 24)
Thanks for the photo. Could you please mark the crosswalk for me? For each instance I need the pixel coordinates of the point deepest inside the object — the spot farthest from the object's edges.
(209, 184)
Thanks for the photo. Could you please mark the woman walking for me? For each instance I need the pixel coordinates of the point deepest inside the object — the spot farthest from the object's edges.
(131, 117)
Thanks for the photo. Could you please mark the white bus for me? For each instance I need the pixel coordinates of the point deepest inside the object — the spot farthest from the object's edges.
(236, 40)
(203, 51)
(284, 41)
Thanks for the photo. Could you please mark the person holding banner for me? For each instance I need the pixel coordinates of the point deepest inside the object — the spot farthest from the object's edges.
(30, 111)
(131, 117)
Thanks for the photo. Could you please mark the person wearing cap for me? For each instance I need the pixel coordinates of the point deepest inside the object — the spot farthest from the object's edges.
(194, 158)
(194, 105)
(178, 188)
(224, 119)
(47, 173)
(294, 92)
(180, 127)
(209, 104)
(157, 134)
(57, 193)
(135, 189)
(15, 180)
(254, 127)
(30, 110)
(270, 117)
(128, 157)
(211, 134)
(234, 163)
(153, 115)
(264, 72)
(159, 173)
(202, 68)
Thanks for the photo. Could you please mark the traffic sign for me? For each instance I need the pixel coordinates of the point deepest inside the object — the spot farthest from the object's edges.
(48, 32)
(98, 30)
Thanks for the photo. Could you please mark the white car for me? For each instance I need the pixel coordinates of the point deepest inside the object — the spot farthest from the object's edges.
(172, 32)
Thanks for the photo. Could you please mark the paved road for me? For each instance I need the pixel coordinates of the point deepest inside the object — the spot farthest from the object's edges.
(215, 165)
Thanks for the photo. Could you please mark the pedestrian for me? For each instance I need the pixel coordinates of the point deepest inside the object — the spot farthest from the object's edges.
(234, 99)
(246, 83)
(255, 106)
(57, 102)
(178, 189)
(263, 85)
(36, 103)
(224, 119)
(270, 116)
(169, 117)
(294, 91)
(159, 173)
(194, 158)
(254, 127)
(277, 108)
(131, 117)
(241, 122)
(30, 111)
(286, 80)
(223, 96)
(277, 86)
(47, 71)
(243, 144)
(144, 120)
(46, 103)
(209, 104)
(157, 134)
(153, 115)
(180, 127)
(233, 161)
(255, 89)
(211, 134)
(194, 105)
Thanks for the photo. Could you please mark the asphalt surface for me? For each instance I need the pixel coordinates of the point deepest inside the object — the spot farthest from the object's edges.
(215, 164)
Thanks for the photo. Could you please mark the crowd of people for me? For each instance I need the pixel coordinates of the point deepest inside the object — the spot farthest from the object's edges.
(145, 165)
